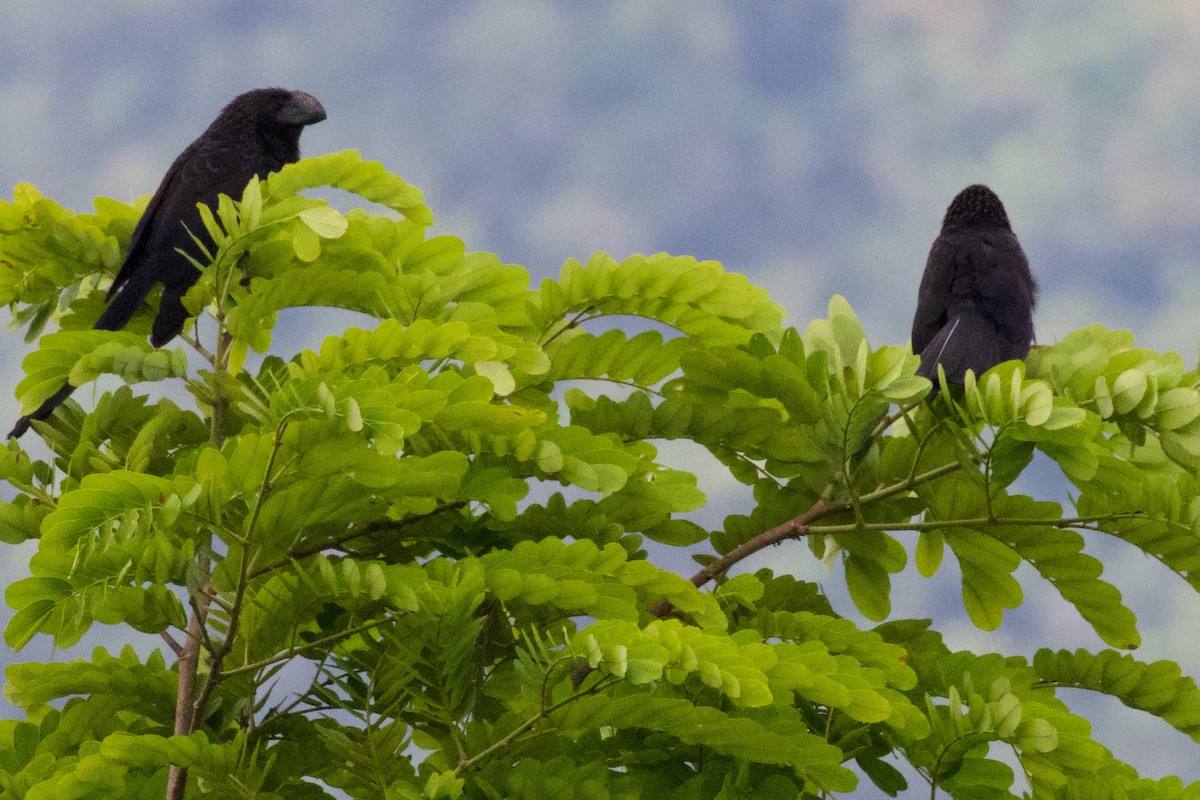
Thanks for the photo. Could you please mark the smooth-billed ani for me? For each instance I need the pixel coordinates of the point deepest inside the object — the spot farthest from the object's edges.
(975, 305)
(257, 133)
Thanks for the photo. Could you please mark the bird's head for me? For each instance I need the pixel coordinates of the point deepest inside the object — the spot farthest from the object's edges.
(275, 110)
(976, 206)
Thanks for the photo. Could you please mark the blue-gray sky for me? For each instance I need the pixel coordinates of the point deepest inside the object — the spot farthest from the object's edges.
(811, 145)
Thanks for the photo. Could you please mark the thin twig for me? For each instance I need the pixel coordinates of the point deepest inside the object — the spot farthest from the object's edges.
(886, 422)
(972, 522)
(219, 401)
(300, 648)
(185, 710)
(175, 646)
(201, 611)
(641, 387)
(193, 341)
(529, 723)
(574, 322)
(356, 533)
(219, 654)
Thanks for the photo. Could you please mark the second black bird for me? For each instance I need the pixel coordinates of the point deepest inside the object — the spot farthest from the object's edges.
(975, 305)
(256, 134)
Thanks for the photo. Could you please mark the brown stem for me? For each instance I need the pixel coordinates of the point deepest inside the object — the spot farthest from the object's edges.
(793, 528)
(573, 323)
(800, 526)
(189, 663)
(175, 646)
(221, 651)
(187, 705)
(193, 340)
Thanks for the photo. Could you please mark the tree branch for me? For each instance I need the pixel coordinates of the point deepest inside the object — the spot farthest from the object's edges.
(185, 710)
(574, 322)
(300, 648)
(221, 651)
(525, 726)
(175, 646)
(801, 526)
(972, 522)
(377, 526)
(193, 341)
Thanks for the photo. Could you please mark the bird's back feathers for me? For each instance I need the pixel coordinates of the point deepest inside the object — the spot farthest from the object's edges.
(975, 304)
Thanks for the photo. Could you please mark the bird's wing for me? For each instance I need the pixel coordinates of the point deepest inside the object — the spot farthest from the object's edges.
(934, 298)
(1004, 286)
(209, 166)
(141, 233)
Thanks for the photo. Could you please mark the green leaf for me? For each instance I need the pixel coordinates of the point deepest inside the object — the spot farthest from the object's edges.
(698, 298)
(1058, 556)
(325, 221)
(346, 170)
(27, 623)
(1128, 390)
(931, 545)
(869, 587)
(1177, 408)
(739, 737)
(1157, 688)
(1008, 459)
(644, 359)
(987, 583)
(77, 357)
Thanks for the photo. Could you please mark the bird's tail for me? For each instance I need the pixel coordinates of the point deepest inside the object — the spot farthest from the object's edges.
(124, 305)
(968, 341)
(115, 317)
(43, 411)
(171, 314)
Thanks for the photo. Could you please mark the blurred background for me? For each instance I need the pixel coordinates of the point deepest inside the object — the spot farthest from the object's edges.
(811, 145)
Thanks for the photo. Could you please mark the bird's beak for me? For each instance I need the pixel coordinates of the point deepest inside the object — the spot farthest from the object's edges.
(302, 109)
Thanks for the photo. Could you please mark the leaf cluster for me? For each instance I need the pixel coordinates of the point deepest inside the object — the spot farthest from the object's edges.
(440, 520)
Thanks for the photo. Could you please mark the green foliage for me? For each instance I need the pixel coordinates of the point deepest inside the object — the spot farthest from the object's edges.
(438, 519)
(1157, 688)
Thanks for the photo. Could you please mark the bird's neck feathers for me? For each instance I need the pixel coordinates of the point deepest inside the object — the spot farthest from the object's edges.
(282, 142)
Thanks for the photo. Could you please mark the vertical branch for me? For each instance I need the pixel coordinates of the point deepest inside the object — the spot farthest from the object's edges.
(189, 665)
(220, 402)
(222, 350)
(219, 653)
(187, 705)
(190, 705)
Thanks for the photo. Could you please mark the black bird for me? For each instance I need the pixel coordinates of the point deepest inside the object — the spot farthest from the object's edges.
(257, 133)
(975, 305)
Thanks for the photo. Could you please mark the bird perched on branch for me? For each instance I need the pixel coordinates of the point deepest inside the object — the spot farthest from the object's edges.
(975, 304)
(256, 134)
